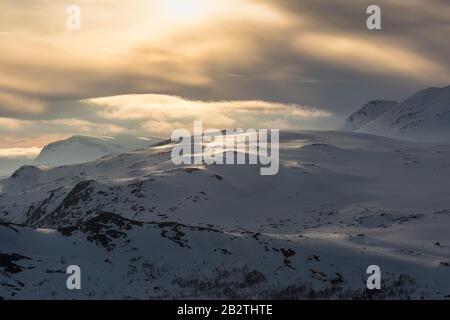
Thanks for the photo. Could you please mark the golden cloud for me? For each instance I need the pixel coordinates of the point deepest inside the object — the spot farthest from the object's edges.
(370, 56)
(40, 57)
(30, 153)
(19, 104)
(12, 124)
(84, 126)
(160, 114)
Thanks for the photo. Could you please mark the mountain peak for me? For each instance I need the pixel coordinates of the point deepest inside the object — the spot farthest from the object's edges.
(369, 112)
(423, 116)
(80, 148)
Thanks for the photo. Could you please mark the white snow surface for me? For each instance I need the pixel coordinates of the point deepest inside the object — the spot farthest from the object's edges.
(141, 227)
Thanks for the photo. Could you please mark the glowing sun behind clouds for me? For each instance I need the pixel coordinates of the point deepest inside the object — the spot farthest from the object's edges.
(186, 10)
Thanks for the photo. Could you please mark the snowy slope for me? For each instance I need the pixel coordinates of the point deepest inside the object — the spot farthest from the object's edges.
(142, 227)
(425, 116)
(368, 113)
(332, 169)
(121, 258)
(79, 149)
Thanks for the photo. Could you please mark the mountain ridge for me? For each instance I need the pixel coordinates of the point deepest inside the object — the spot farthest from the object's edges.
(79, 148)
(423, 117)
(369, 112)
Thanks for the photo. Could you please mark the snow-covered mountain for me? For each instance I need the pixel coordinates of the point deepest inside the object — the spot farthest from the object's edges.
(9, 165)
(425, 116)
(79, 149)
(369, 112)
(141, 227)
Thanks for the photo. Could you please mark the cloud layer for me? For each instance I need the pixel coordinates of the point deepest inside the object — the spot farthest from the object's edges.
(249, 63)
(160, 114)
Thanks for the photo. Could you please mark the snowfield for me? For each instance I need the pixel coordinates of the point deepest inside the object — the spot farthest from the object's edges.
(141, 227)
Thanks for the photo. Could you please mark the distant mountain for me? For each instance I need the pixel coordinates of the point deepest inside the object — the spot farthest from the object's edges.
(9, 165)
(79, 149)
(425, 117)
(369, 112)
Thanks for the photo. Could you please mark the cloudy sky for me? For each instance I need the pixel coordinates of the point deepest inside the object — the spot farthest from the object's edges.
(147, 67)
